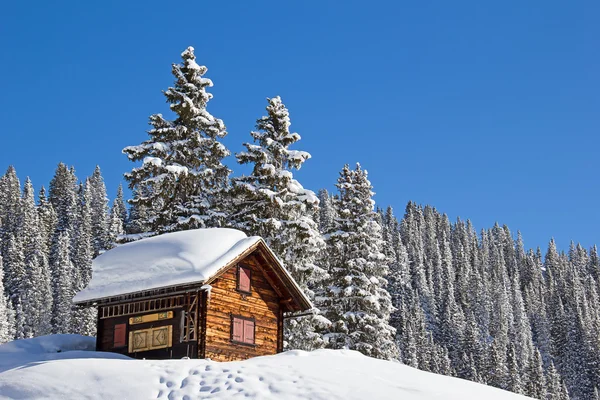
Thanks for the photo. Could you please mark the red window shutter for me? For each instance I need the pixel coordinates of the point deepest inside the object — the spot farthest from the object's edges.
(248, 331)
(237, 330)
(119, 337)
(244, 279)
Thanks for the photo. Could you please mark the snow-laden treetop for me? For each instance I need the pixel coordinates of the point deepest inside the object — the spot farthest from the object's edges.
(170, 259)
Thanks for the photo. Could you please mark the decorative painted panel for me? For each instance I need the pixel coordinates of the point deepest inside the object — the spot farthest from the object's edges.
(140, 319)
(151, 339)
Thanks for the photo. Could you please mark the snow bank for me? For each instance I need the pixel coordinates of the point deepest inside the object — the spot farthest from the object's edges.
(51, 347)
(166, 260)
(320, 375)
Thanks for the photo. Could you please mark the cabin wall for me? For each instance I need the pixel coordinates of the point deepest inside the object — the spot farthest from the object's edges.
(179, 349)
(262, 305)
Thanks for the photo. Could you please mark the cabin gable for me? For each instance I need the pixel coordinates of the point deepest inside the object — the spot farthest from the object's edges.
(241, 321)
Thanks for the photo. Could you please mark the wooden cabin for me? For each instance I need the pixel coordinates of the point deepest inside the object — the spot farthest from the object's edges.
(204, 293)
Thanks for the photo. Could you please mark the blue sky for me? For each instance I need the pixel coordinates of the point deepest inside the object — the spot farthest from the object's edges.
(485, 110)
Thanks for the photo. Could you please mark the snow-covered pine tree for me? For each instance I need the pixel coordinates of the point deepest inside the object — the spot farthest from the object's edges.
(515, 383)
(36, 296)
(326, 211)
(182, 179)
(62, 273)
(10, 204)
(7, 315)
(270, 203)
(19, 320)
(118, 206)
(16, 282)
(99, 212)
(118, 217)
(47, 217)
(356, 299)
(63, 197)
(535, 384)
(411, 230)
(83, 320)
(139, 219)
(398, 278)
(116, 228)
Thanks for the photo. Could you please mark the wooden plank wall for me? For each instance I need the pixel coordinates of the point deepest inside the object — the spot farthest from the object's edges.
(262, 304)
(106, 327)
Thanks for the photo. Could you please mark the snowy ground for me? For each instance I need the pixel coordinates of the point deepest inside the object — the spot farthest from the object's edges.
(64, 367)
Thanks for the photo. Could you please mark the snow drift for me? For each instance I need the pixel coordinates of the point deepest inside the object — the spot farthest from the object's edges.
(58, 367)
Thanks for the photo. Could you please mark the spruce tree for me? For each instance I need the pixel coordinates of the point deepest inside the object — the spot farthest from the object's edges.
(357, 302)
(326, 211)
(553, 384)
(10, 206)
(47, 218)
(116, 228)
(17, 283)
(99, 217)
(118, 207)
(182, 179)
(270, 203)
(84, 319)
(6, 312)
(63, 197)
(36, 296)
(62, 273)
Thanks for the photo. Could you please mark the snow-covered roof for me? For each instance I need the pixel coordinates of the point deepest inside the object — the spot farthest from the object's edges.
(171, 259)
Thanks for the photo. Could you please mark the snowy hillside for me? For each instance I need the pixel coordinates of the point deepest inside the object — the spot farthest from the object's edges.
(59, 367)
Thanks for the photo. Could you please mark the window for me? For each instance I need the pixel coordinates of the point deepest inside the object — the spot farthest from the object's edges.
(242, 330)
(119, 335)
(243, 279)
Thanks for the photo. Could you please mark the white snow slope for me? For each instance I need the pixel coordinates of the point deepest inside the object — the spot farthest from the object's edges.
(55, 367)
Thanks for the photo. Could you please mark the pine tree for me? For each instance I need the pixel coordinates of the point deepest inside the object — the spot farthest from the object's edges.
(47, 217)
(357, 301)
(6, 312)
(36, 295)
(63, 197)
(116, 228)
(62, 270)
(398, 278)
(83, 320)
(553, 384)
(19, 320)
(536, 384)
(98, 205)
(118, 207)
(182, 179)
(515, 383)
(17, 282)
(139, 219)
(326, 211)
(10, 204)
(270, 203)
